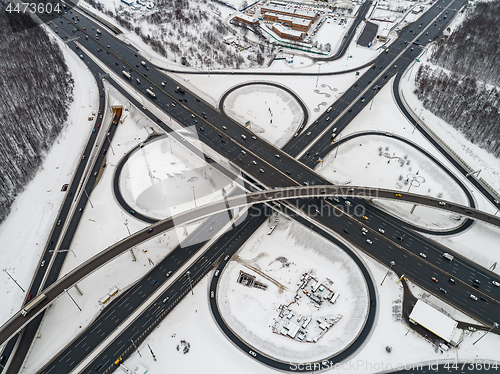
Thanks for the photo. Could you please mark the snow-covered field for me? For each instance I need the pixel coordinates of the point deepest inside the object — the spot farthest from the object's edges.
(273, 113)
(286, 254)
(163, 178)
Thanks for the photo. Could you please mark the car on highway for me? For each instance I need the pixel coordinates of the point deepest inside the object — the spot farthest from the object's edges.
(476, 283)
(261, 170)
(369, 241)
(216, 273)
(451, 280)
(169, 273)
(150, 230)
(365, 217)
(442, 203)
(212, 294)
(29, 297)
(98, 367)
(423, 255)
(59, 223)
(309, 133)
(154, 282)
(165, 300)
(398, 195)
(346, 231)
(443, 290)
(434, 279)
(43, 263)
(382, 231)
(495, 283)
(473, 297)
(483, 299)
(132, 212)
(252, 353)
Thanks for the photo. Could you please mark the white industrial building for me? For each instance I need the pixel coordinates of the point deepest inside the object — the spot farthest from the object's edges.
(436, 322)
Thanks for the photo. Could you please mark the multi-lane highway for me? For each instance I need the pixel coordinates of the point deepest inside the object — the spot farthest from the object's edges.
(186, 118)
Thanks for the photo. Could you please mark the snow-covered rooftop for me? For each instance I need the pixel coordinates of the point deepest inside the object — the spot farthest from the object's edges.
(433, 320)
(285, 30)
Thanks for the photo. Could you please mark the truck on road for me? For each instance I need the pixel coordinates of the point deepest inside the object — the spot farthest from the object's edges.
(448, 256)
(143, 63)
(151, 93)
(32, 304)
(126, 74)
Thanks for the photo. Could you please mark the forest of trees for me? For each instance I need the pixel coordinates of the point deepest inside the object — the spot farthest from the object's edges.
(35, 89)
(470, 107)
(467, 95)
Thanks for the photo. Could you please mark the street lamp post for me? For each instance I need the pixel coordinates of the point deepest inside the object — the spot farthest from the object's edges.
(190, 284)
(71, 297)
(62, 250)
(110, 146)
(88, 198)
(11, 277)
(317, 78)
(126, 225)
(495, 326)
(135, 347)
(386, 274)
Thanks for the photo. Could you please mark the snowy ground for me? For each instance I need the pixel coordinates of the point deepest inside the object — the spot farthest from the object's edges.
(250, 312)
(210, 351)
(275, 122)
(163, 178)
(25, 231)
